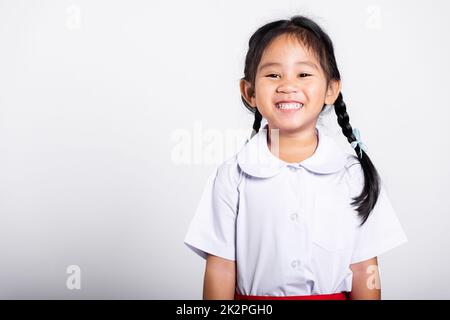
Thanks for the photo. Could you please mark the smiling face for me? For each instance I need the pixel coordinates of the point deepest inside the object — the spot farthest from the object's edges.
(290, 86)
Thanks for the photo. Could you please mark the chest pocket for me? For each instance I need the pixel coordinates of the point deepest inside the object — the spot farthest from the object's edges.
(334, 221)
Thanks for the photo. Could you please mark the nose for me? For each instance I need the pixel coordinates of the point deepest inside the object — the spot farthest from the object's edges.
(287, 87)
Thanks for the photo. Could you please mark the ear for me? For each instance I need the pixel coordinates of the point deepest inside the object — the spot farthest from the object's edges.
(247, 92)
(334, 87)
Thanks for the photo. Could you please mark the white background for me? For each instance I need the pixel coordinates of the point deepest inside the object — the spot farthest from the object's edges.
(92, 94)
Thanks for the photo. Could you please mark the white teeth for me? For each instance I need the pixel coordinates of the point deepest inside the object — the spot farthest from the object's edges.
(289, 106)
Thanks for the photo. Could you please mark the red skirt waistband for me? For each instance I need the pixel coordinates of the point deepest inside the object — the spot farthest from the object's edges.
(333, 296)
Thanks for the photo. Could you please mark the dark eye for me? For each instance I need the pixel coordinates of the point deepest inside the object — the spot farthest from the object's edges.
(303, 75)
(271, 75)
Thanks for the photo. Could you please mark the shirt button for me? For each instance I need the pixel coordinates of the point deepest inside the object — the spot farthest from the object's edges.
(292, 168)
(294, 216)
(296, 264)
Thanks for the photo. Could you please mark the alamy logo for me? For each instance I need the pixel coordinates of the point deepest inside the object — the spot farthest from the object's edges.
(73, 21)
(74, 279)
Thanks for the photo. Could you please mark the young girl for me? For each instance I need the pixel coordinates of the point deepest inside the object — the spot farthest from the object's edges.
(291, 215)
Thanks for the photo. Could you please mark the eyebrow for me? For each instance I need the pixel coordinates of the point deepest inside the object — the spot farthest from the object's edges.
(270, 64)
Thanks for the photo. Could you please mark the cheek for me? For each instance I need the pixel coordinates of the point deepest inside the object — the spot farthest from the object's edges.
(263, 85)
(315, 92)
(264, 91)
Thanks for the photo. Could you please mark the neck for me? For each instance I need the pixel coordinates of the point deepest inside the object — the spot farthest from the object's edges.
(292, 147)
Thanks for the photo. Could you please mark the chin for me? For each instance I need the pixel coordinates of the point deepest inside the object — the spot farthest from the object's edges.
(287, 126)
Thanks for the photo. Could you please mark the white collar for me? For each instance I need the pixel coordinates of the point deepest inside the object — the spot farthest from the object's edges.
(257, 160)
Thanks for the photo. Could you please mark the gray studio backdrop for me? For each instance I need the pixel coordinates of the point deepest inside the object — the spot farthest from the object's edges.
(114, 113)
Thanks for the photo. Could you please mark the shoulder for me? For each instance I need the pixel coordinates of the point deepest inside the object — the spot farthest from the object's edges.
(353, 173)
(352, 165)
(228, 173)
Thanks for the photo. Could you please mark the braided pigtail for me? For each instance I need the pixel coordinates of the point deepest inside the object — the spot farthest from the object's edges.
(257, 122)
(369, 194)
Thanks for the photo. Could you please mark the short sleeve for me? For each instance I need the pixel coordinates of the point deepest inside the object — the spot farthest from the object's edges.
(381, 232)
(213, 227)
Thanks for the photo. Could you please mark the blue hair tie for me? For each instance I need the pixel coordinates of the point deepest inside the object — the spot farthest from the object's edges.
(358, 142)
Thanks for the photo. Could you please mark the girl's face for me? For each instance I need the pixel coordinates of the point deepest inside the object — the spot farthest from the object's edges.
(290, 86)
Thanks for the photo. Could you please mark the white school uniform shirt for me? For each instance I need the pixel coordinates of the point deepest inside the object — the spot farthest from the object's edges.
(290, 226)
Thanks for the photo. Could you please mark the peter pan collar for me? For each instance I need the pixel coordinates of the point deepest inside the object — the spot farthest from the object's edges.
(256, 159)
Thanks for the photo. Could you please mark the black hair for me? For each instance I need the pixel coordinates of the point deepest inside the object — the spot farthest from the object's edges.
(314, 38)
